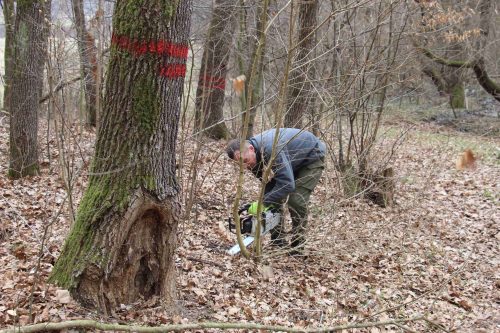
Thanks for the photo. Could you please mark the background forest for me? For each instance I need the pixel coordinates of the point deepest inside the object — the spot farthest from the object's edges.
(115, 189)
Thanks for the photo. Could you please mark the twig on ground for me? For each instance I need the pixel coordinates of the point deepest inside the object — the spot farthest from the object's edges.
(208, 262)
(433, 323)
(182, 327)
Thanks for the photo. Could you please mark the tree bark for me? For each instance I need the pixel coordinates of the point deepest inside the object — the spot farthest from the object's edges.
(300, 100)
(436, 78)
(448, 80)
(477, 64)
(121, 246)
(88, 62)
(255, 70)
(211, 82)
(454, 77)
(30, 50)
(9, 17)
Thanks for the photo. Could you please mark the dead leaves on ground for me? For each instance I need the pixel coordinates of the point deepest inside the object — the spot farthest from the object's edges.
(435, 252)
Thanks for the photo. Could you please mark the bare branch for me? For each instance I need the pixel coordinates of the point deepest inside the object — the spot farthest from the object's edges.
(92, 324)
(58, 88)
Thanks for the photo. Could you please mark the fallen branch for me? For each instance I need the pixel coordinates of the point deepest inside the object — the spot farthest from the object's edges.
(92, 324)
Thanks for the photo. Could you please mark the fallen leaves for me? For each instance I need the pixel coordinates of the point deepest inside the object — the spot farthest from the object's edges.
(363, 258)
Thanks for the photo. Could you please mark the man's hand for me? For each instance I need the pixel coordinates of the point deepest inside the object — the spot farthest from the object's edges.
(252, 210)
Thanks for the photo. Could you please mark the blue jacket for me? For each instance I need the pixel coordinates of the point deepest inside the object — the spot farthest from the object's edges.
(295, 149)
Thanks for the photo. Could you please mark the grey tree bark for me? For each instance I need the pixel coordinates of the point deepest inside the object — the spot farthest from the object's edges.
(88, 62)
(211, 82)
(121, 247)
(255, 71)
(300, 90)
(9, 15)
(29, 51)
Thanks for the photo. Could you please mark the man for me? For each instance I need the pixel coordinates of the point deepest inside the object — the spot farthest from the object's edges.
(297, 167)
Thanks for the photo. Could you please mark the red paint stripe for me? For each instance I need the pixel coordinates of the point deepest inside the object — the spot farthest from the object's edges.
(213, 79)
(221, 86)
(213, 82)
(173, 70)
(160, 47)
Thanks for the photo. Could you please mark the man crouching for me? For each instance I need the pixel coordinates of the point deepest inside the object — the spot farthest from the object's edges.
(297, 167)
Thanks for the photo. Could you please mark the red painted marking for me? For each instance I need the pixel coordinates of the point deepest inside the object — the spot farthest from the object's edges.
(173, 71)
(213, 82)
(161, 47)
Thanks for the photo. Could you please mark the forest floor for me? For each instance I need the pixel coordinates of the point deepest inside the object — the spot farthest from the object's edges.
(434, 253)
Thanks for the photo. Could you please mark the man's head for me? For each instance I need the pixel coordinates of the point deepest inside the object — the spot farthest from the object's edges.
(248, 155)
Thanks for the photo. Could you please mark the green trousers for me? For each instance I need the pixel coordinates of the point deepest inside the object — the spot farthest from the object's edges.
(305, 181)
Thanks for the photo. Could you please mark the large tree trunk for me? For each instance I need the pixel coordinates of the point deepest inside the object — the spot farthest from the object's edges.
(122, 244)
(88, 62)
(300, 92)
(30, 50)
(211, 82)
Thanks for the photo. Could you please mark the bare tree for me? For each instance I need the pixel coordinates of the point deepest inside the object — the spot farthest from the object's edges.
(300, 95)
(29, 51)
(121, 246)
(254, 67)
(88, 62)
(476, 61)
(9, 17)
(211, 82)
(448, 80)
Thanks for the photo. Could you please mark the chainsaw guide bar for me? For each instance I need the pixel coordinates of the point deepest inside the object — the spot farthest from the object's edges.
(248, 226)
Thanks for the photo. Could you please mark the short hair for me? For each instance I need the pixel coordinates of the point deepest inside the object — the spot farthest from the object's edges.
(233, 146)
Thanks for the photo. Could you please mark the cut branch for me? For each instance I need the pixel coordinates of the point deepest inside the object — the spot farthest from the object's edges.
(92, 324)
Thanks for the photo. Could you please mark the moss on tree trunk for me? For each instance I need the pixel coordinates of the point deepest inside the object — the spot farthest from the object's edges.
(121, 247)
(457, 96)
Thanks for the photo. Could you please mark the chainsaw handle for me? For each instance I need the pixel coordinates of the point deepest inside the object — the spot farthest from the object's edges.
(243, 208)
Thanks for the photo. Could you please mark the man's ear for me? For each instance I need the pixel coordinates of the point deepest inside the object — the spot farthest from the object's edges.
(251, 148)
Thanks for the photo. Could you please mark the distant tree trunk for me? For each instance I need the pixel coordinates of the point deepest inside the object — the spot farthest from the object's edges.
(255, 72)
(30, 51)
(300, 92)
(454, 78)
(212, 80)
(478, 63)
(449, 80)
(88, 62)
(9, 17)
(121, 247)
(436, 77)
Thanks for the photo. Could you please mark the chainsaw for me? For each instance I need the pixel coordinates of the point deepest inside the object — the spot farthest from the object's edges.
(248, 226)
